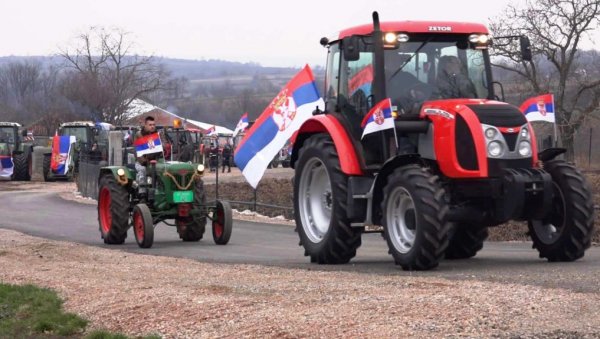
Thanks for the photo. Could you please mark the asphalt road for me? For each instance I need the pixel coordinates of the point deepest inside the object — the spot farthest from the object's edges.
(46, 215)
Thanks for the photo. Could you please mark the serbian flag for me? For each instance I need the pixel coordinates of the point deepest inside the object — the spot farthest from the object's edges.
(278, 122)
(61, 153)
(211, 131)
(148, 144)
(379, 118)
(6, 167)
(540, 108)
(241, 125)
(362, 80)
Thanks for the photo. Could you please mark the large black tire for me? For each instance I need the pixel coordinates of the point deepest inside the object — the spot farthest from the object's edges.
(567, 232)
(323, 227)
(192, 229)
(414, 218)
(22, 169)
(113, 210)
(465, 241)
(46, 168)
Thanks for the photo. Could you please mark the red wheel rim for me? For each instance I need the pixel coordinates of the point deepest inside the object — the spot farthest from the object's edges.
(138, 225)
(105, 215)
(218, 223)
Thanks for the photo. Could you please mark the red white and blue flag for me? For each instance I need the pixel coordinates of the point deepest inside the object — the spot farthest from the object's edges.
(241, 125)
(278, 122)
(540, 108)
(6, 167)
(61, 154)
(148, 144)
(361, 81)
(212, 131)
(379, 118)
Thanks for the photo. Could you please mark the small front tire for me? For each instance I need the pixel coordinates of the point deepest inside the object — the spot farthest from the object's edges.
(143, 226)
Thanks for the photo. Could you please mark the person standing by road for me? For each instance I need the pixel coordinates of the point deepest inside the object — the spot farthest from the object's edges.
(227, 157)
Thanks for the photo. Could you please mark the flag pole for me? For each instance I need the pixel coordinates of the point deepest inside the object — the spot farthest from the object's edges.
(395, 133)
(555, 124)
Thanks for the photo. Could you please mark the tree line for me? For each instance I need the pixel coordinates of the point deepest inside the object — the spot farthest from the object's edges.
(99, 76)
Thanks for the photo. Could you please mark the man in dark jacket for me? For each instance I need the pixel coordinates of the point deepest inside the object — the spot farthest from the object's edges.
(227, 157)
(452, 81)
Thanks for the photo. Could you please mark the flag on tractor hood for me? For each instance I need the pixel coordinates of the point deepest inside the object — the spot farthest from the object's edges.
(61, 154)
(6, 167)
(241, 125)
(278, 122)
(540, 108)
(148, 144)
(379, 118)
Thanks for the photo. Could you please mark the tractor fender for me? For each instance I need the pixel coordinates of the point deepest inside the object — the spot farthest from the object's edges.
(129, 173)
(551, 153)
(381, 180)
(330, 125)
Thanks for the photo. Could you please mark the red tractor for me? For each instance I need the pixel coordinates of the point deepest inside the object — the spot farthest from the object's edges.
(456, 162)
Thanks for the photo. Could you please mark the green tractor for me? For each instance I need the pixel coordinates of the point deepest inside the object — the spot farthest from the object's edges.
(91, 143)
(175, 191)
(14, 143)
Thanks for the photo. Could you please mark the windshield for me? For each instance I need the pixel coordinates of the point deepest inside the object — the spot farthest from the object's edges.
(7, 135)
(80, 133)
(435, 67)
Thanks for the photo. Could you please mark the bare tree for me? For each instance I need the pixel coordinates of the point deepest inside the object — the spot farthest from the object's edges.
(107, 76)
(556, 28)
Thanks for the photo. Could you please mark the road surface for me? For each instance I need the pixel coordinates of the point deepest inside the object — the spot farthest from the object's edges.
(45, 214)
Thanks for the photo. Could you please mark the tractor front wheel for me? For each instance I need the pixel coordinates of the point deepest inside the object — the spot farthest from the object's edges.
(222, 223)
(414, 218)
(46, 168)
(465, 241)
(143, 226)
(113, 210)
(320, 203)
(567, 232)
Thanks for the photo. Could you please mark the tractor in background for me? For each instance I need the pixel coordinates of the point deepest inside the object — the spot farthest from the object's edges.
(91, 144)
(455, 161)
(15, 142)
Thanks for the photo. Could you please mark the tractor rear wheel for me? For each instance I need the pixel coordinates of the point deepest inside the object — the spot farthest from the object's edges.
(222, 223)
(320, 193)
(113, 210)
(414, 218)
(567, 232)
(465, 241)
(22, 169)
(143, 226)
(192, 228)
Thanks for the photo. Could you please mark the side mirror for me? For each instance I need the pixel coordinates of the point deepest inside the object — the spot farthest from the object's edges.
(351, 50)
(526, 54)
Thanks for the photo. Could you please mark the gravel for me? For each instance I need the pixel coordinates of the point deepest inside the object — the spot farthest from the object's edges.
(179, 298)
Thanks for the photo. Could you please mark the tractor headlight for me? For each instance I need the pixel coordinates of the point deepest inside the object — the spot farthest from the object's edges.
(494, 149)
(121, 172)
(524, 148)
(524, 133)
(200, 168)
(390, 37)
(149, 181)
(490, 133)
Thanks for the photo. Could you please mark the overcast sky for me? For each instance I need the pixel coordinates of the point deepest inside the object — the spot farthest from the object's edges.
(273, 33)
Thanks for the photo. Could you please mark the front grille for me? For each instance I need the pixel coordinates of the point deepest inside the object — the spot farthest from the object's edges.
(465, 145)
(496, 166)
(511, 140)
(499, 115)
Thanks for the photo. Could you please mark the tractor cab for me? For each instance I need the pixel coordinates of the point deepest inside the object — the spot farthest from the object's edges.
(9, 140)
(413, 63)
